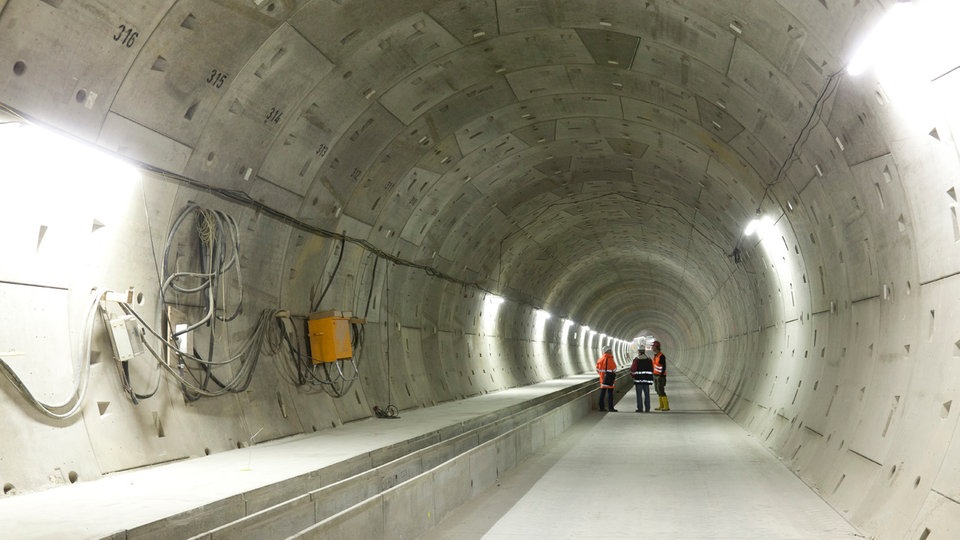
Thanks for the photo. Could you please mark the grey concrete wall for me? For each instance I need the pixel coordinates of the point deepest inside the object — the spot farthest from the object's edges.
(845, 369)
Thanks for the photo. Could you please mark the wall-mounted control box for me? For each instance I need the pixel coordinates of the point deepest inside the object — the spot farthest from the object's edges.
(329, 334)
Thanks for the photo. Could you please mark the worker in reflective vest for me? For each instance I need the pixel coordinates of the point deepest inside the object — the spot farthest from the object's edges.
(660, 377)
(642, 372)
(607, 370)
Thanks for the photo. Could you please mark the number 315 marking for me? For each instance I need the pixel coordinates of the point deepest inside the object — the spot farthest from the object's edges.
(216, 78)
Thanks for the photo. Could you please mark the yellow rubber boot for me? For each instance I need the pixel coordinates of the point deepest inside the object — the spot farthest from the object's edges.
(666, 403)
(660, 408)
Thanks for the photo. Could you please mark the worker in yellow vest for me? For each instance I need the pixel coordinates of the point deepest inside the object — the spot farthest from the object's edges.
(660, 377)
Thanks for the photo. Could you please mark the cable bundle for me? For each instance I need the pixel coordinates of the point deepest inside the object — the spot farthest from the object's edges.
(217, 251)
(301, 370)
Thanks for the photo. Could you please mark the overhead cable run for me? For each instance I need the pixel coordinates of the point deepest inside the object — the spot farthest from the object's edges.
(829, 88)
(244, 199)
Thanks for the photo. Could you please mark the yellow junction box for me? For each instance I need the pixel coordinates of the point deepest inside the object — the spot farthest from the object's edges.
(329, 333)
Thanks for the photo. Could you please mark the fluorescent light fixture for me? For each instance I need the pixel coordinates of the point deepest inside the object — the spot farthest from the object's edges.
(882, 40)
(540, 324)
(61, 182)
(41, 150)
(494, 300)
(911, 48)
(913, 44)
(491, 306)
(565, 331)
(760, 226)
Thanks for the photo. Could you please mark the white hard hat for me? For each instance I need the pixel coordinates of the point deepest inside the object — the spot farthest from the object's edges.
(607, 348)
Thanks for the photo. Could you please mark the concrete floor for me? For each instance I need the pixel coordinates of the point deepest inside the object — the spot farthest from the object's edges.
(691, 473)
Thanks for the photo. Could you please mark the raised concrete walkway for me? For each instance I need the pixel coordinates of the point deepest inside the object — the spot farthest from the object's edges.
(182, 499)
(691, 473)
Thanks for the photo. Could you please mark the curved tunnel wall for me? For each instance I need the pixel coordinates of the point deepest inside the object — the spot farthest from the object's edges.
(597, 160)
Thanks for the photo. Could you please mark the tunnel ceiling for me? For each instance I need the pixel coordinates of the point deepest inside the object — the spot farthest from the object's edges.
(589, 157)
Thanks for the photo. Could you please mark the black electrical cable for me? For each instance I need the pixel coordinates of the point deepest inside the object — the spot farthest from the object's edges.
(244, 199)
(217, 250)
(816, 113)
(329, 376)
(373, 280)
(390, 411)
(336, 267)
(212, 227)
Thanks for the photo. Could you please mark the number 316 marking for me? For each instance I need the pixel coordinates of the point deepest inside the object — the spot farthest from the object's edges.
(126, 36)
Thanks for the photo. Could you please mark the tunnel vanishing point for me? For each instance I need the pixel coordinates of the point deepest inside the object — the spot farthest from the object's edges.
(476, 195)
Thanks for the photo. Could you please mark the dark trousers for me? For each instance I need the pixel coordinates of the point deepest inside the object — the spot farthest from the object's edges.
(644, 389)
(609, 393)
(660, 384)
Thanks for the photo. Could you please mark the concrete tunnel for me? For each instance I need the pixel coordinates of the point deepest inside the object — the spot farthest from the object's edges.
(482, 193)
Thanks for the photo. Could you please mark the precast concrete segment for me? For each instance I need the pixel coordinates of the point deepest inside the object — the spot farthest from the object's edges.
(688, 473)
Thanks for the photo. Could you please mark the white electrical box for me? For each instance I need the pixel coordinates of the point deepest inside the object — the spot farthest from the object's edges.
(125, 336)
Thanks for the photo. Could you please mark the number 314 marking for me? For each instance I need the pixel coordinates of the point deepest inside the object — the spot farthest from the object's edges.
(273, 116)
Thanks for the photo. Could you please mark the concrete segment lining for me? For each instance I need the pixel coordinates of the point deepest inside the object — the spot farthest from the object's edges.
(598, 160)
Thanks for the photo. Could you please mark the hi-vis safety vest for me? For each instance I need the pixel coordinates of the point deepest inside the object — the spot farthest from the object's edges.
(659, 366)
(606, 364)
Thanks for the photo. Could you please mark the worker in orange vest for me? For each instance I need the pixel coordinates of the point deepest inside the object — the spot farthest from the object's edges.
(660, 377)
(607, 370)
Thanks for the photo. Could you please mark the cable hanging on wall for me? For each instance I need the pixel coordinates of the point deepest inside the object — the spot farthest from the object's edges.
(198, 284)
(391, 410)
(829, 88)
(193, 282)
(81, 376)
(307, 366)
(200, 276)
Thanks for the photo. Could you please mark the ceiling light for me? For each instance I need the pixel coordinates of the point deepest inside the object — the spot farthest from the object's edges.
(913, 40)
(760, 226)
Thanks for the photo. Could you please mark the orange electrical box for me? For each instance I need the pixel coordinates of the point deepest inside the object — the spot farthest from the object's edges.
(329, 334)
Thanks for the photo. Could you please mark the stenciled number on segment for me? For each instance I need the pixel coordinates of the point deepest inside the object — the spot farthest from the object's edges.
(126, 36)
(273, 116)
(216, 78)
